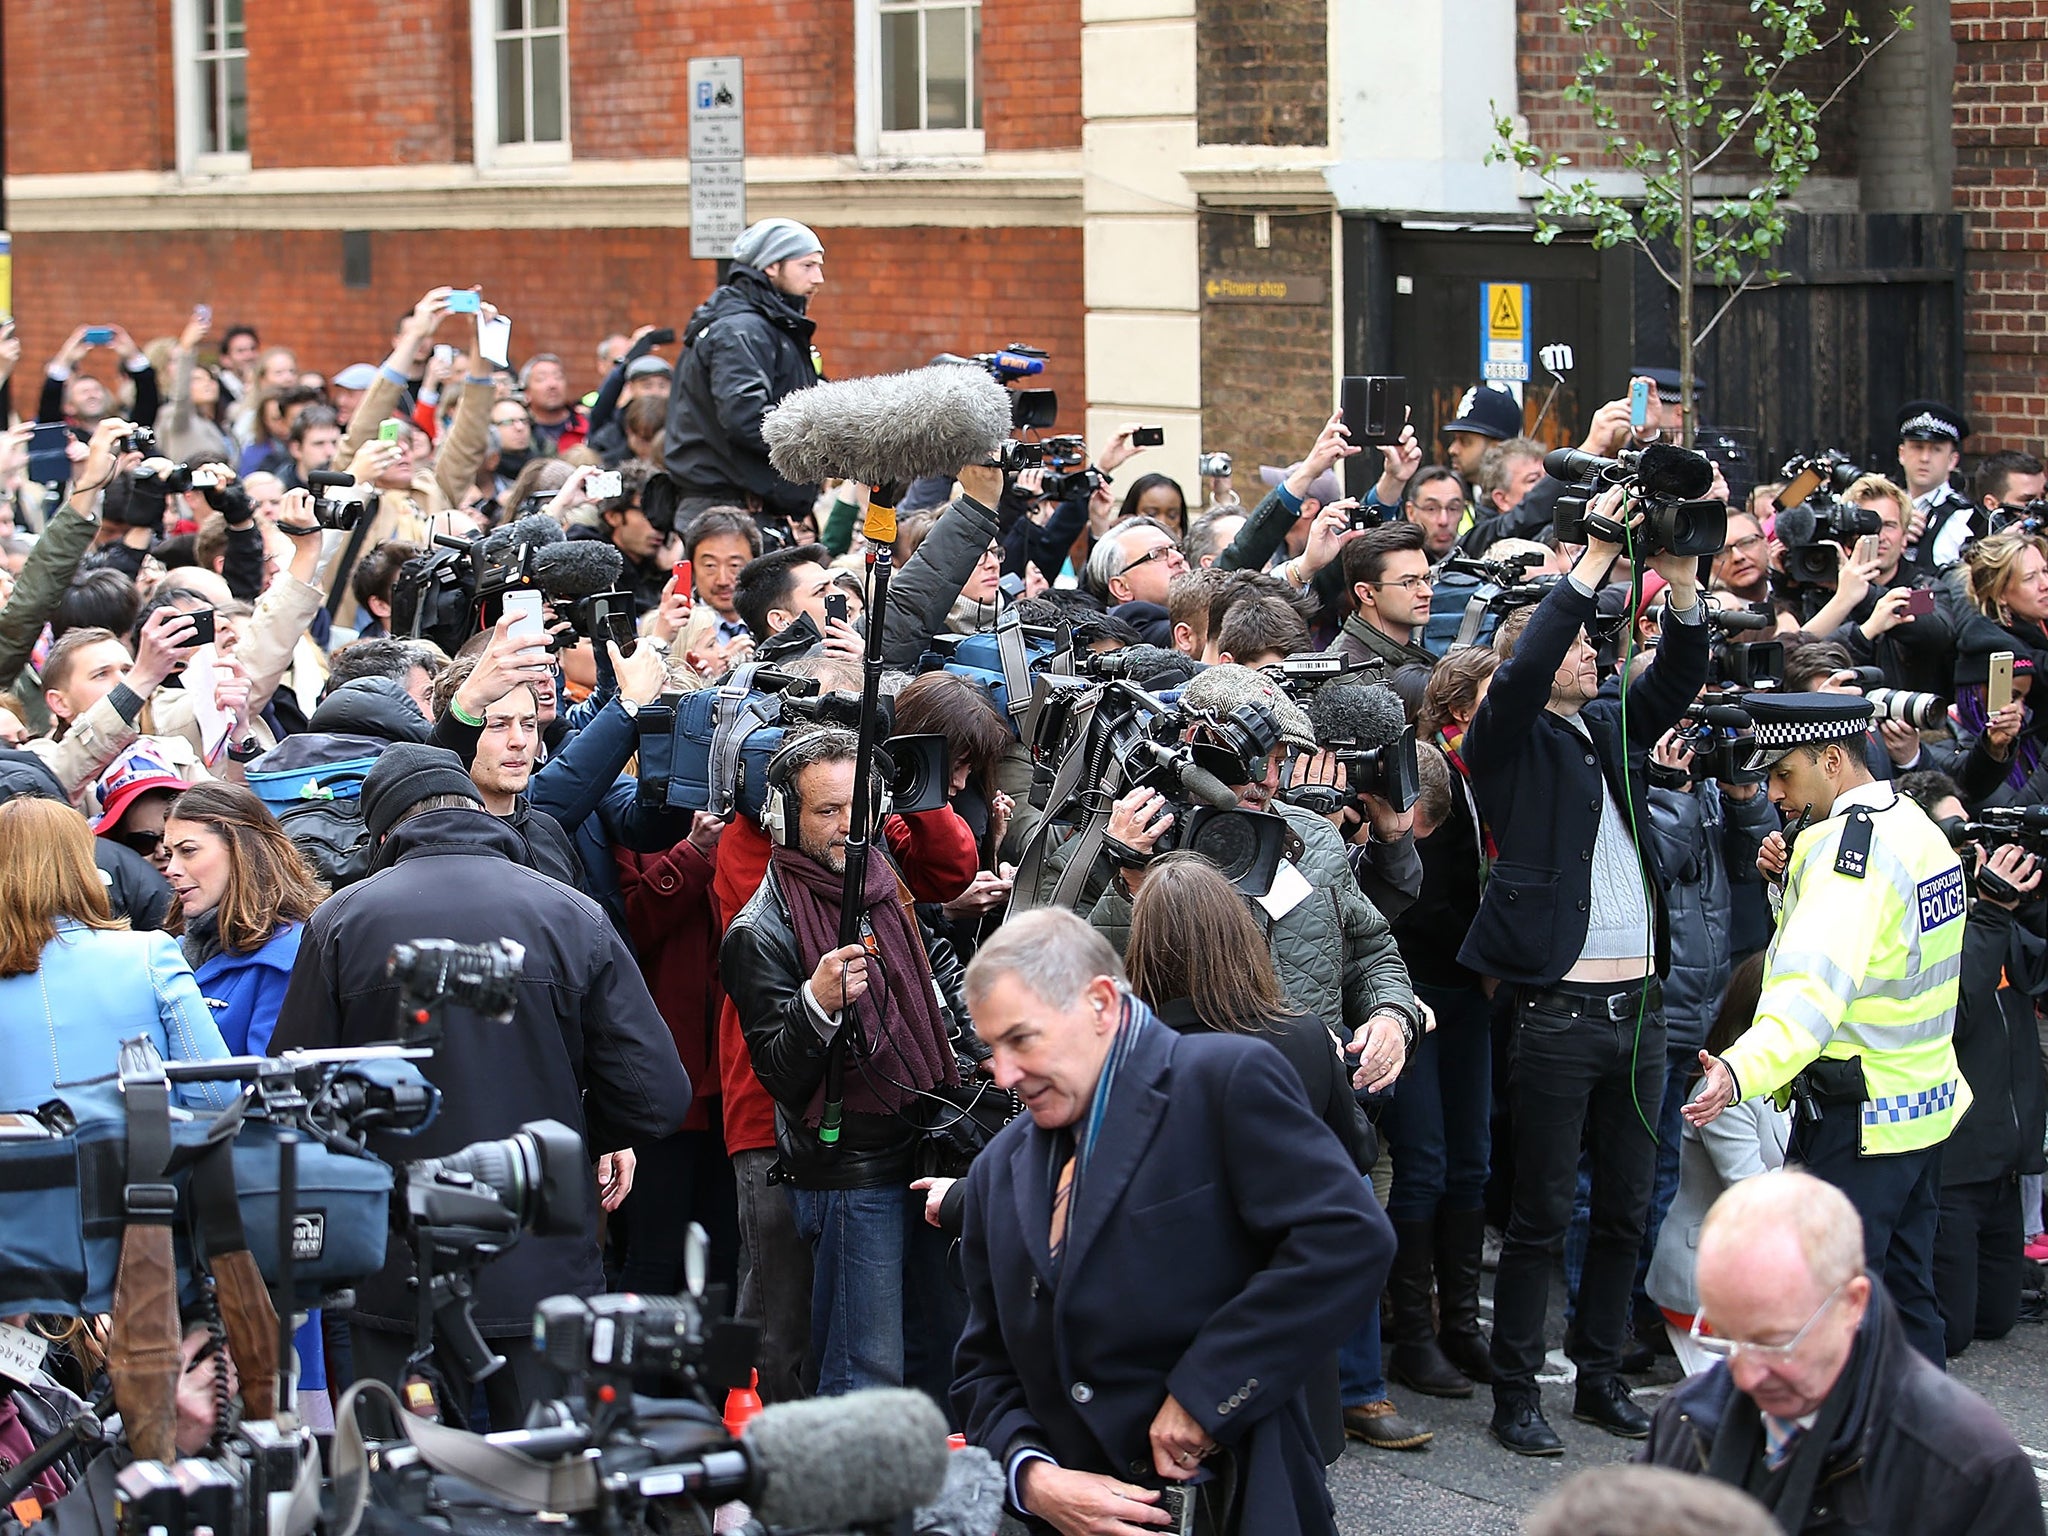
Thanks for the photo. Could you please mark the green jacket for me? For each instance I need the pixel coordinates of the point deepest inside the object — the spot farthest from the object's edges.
(43, 582)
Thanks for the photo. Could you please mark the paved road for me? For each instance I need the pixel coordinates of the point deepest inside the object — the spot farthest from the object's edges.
(1464, 1484)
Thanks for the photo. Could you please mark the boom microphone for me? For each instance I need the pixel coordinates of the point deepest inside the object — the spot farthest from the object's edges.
(1796, 526)
(577, 568)
(1365, 715)
(537, 530)
(835, 1462)
(890, 428)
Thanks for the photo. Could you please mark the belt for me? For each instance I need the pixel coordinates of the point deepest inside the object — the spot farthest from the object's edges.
(1580, 1000)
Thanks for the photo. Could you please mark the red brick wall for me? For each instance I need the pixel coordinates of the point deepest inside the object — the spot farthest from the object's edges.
(88, 86)
(387, 92)
(895, 296)
(1031, 73)
(2001, 184)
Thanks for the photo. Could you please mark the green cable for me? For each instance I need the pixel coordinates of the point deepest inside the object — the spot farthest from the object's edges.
(1635, 576)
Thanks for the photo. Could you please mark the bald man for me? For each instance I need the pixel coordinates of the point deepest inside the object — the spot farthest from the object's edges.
(1819, 1407)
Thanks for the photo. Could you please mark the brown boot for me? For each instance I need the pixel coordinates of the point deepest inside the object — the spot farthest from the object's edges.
(1380, 1424)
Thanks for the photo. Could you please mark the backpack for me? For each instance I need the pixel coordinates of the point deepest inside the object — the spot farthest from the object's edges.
(331, 836)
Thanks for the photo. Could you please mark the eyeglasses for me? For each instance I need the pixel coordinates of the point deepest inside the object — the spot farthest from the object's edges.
(1153, 554)
(1767, 1354)
(1436, 508)
(512, 421)
(1744, 546)
(1407, 583)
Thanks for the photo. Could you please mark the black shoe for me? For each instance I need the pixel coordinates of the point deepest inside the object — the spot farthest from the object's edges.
(1421, 1367)
(1520, 1426)
(1608, 1404)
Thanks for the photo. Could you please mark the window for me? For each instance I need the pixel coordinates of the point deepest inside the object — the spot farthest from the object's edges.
(926, 78)
(522, 81)
(212, 60)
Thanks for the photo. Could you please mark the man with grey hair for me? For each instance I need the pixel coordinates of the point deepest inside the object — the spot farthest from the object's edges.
(1130, 569)
(1157, 1254)
(1647, 1501)
(747, 347)
(895, 997)
(1821, 1409)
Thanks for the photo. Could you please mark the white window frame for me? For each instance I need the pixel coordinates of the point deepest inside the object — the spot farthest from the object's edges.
(187, 28)
(490, 154)
(871, 140)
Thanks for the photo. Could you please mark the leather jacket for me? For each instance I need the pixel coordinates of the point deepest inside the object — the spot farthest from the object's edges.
(764, 976)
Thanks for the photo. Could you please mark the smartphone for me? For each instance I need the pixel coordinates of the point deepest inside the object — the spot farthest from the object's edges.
(1375, 409)
(1638, 403)
(604, 486)
(1149, 437)
(202, 626)
(387, 431)
(444, 354)
(527, 621)
(48, 461)
(1866, 549)
(1919, 602)
(98, 335)
(1180, 1502)
(203, 313)
(835, 607)
(1998, 687)
(465, 301)
(683, 578)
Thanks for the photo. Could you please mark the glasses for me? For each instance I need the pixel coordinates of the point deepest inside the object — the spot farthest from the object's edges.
(1407, 583)
(144, 843)
(512, 421)
(1766, 1354)
(1160, 553)
(1745, 546)
(1441, 508)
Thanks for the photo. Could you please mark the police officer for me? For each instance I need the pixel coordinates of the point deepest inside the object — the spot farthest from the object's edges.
(1857, 1018)
(1941, 518)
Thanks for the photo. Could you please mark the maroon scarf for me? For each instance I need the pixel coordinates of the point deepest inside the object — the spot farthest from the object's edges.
(901, 1043)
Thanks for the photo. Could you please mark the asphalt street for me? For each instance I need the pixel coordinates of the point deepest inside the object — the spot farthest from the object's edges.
(1463, 1484)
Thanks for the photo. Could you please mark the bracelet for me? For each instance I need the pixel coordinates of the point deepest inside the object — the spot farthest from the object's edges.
(455, 708)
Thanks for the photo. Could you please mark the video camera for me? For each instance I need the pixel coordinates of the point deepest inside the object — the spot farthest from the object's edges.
(335, 512)
(2029, 517)
(1815, 525)
(1665, 483)
(1997, 825)
(1721, 736)
(1746, 666)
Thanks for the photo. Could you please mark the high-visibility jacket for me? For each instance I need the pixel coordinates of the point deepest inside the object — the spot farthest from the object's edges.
(1866, 965)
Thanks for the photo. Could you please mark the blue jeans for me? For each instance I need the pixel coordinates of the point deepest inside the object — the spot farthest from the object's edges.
(1681, 1067)
(1358, 1363)
(1438, 1122)
(883, 1311)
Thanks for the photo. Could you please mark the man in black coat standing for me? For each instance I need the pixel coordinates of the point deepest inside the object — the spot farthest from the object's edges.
(585, 1045)
(747, 346)
(1572, 918)
(1158, 1254)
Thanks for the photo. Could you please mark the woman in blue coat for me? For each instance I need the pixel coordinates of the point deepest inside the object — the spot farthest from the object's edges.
(74, 981)
(246, 894)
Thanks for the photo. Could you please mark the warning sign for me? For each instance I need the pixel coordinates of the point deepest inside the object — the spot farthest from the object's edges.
(1504, 332)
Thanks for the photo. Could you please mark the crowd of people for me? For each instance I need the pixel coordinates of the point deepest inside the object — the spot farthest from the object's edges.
(1154, 1183)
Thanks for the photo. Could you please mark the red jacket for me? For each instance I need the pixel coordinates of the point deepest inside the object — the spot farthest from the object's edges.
(668, 917)
(936, 852)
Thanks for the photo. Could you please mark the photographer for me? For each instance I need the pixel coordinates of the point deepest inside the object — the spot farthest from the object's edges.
(1572, 919)
(638, 531)
(876, 1266)
(585, 1046)
(1870, 611)
(2009, 485)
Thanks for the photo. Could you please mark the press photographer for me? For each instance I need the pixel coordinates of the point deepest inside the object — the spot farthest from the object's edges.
(585, 1045)
(1572, 918)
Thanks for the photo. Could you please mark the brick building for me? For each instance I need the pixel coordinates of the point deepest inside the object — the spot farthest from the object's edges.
(1206, 209)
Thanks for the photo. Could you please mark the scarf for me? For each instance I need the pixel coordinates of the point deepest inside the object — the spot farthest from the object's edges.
(1973, 715)
(900, 1046)
(201, 941)
(1451, 741)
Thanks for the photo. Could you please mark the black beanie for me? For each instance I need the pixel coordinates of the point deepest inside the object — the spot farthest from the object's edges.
(405, 773)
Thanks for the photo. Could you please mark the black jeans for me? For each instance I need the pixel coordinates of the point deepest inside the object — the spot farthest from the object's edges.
(1574, 1081)
(680, 1179)
(1979, 1270)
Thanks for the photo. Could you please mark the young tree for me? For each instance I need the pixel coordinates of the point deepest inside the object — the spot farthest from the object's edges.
(1708, 119)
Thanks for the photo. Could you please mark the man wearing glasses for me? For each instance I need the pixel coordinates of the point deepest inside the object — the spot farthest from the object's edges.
(1819, 1407)
(1437, 505)
(1386, 571)
(1131, 568)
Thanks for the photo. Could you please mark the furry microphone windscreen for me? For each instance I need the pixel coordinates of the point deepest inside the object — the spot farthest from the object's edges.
(1796, 526)
(537, 530)
(890, 428)
(1356, 714)
(577, 568)
(834, 1462)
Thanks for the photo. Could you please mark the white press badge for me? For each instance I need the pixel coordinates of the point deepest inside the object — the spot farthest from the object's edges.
(1290, 890)
(21, 1353)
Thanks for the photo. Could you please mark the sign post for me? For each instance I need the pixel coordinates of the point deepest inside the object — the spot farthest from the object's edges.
(718, 157)
(1504, 333)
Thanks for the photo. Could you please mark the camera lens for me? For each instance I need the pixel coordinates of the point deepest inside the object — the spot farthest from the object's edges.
(1228, 841)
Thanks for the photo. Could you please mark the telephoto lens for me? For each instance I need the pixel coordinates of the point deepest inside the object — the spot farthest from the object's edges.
(1922, 711)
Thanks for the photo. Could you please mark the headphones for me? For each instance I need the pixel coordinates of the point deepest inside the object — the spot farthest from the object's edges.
(780, 812)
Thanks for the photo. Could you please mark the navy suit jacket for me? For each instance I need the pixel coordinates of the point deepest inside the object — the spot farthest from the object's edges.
(1222, 1246)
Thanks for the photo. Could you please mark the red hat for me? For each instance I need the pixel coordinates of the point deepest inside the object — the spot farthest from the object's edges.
(139, 768)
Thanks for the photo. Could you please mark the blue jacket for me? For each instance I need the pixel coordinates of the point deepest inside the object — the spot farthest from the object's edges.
(245, 991)
(1707, 843)
(64, 1021)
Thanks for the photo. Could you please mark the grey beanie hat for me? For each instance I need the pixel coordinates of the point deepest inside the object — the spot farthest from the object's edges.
(772, 240)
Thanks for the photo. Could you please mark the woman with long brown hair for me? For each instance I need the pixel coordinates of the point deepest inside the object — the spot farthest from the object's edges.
(74, 980)
(246, 894)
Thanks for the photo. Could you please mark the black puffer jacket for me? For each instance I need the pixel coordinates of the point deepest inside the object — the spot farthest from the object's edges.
(747, 346)
(1917, 1454)
(764, 976)
(585, 1045)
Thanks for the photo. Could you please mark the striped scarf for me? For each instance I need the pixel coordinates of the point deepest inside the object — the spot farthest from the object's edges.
(1450, 742)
